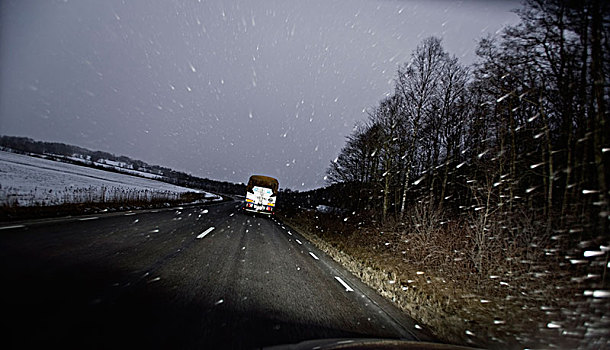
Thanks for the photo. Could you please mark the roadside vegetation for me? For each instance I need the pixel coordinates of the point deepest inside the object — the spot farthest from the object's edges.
(13, 197)
(477, 198)
(21, 206)
(468, 285)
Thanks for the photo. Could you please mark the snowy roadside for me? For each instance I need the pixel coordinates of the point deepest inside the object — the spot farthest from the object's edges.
(34, 182)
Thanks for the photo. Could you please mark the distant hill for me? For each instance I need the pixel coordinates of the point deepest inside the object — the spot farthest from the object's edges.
(110, 162)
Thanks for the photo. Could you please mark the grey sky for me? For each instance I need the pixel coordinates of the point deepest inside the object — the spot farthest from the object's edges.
(219, 89)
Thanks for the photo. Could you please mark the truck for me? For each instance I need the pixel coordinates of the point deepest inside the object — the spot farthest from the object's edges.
(261, 194)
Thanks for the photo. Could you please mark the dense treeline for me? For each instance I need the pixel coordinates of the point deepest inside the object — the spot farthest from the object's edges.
(523, 129)
(338, 195)
(96, 159)
(28, 145)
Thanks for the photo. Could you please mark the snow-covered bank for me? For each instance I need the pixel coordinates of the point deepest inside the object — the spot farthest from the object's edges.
(29, 181)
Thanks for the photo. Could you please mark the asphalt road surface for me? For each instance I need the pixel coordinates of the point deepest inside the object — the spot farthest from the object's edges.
(193, 277)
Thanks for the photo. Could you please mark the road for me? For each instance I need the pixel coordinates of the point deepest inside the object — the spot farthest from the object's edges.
(193, 277)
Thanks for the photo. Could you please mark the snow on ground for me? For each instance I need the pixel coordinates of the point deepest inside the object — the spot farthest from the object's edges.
(28, 181)
(112, 165)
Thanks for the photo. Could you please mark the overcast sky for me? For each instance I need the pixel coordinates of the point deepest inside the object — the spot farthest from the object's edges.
(219, 89)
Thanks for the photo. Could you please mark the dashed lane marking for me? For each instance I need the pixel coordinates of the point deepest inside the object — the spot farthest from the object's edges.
(313, 255)
(345, 285)
(12, 226)
(204, 233)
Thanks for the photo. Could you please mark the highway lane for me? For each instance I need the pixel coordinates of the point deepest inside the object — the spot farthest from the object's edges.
(193, 277)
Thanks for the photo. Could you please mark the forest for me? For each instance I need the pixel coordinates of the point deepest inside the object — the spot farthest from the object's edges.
(522, 130)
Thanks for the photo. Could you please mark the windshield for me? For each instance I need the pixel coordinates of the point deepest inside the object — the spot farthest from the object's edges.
(444, 170)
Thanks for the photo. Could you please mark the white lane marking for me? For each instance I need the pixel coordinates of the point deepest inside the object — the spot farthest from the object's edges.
(342, 342)
(10, 227)
(299, 242)
(90, 218)
(347, 287)
(127, 214)
(204, 233)
(313, 255)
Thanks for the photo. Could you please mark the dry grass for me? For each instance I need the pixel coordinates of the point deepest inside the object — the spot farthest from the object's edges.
(497, 282)
(71, 195)
(92, 204)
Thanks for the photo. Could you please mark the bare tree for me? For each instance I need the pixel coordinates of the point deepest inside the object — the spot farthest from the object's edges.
(417, 83)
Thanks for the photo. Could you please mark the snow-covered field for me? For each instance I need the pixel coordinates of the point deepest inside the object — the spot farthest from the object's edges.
(112, 165)
(27, 181)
